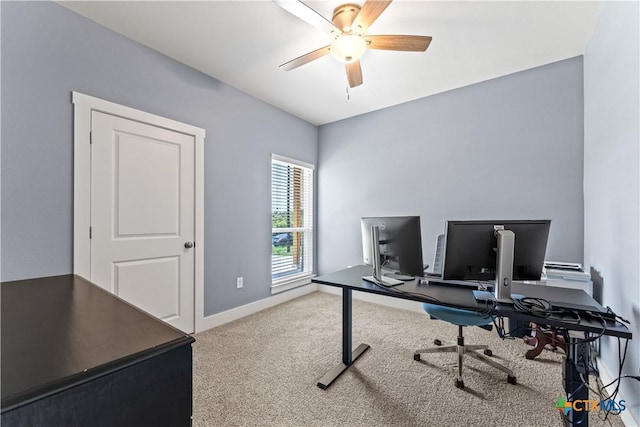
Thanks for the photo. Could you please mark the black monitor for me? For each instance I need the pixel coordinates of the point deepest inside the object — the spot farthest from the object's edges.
(471, 249)
(400, 243)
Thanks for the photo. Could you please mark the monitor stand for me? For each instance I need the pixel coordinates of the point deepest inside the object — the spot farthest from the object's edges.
(504, 264)
(377, 276)
(398, 276)
(382, 280)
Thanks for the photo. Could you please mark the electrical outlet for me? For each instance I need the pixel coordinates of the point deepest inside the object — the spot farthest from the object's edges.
(239, 282)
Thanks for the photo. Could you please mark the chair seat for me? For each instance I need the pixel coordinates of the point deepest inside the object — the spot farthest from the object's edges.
(456, 316)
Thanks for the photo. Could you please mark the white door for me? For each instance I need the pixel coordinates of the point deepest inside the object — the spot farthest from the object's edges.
(143, 216)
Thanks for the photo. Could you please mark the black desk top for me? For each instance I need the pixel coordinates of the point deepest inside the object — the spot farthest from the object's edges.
(462, 297)
(61, 331)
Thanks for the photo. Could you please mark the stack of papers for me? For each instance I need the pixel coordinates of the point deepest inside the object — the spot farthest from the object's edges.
(556, 265)
(565, 271)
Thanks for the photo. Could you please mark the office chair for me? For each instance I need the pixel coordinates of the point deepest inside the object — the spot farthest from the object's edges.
(461, 318)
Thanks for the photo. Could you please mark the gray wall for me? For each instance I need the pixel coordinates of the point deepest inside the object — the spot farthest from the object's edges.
(49, 51)
(611, 181)
(507, 148)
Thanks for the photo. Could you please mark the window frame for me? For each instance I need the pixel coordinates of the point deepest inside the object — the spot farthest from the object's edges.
(308, 230)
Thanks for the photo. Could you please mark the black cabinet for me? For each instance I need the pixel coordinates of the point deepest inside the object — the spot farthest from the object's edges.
(76, 355)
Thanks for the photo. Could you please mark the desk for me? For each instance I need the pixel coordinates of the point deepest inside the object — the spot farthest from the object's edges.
(74, 354)
(350, 279)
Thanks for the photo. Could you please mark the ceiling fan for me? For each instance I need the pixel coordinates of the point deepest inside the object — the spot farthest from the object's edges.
(349, 28)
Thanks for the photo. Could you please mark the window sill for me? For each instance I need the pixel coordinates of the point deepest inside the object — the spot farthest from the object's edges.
(290, 283)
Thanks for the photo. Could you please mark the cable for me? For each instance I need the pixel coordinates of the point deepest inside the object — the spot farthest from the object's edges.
(534, 306)
(576, 314)
(603, 324)
(484, 285)
(488, 310)
(511, 335)
(601, 397)
(498, 322)
(602, 392)
(622, 355)
(635, 377)
(617, 318)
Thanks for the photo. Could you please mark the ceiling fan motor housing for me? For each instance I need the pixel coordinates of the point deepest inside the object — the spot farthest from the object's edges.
(344, 15)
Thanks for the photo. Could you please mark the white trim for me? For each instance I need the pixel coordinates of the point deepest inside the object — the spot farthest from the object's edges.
(400, 303)
(290, 283)
(236, 313)
(283, 159)
(292, 278)
(81, 186)
(199, 218)
(83, 105)
(307, 231)
(605, 376)
(97, 104)
(291, 230)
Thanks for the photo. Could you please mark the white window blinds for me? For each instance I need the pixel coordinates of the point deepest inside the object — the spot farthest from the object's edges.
(291, 220)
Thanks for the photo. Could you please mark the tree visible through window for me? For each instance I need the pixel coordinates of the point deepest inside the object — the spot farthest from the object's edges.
(291, 220)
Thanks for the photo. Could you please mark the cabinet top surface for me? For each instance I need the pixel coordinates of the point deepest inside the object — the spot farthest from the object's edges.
(61, 330)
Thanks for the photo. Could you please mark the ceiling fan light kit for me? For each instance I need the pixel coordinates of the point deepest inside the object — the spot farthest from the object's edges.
(349, 26)
(348, 48)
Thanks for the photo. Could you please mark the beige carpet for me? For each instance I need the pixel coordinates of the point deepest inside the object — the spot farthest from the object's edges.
(262, 371)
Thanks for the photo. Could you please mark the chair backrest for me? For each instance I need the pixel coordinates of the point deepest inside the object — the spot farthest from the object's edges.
(439, 257)
(448, 314)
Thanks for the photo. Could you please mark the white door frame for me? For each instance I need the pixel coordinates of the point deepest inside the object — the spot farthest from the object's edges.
(83, 105)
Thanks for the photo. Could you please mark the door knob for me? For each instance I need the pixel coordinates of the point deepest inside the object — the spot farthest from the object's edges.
(188, 245)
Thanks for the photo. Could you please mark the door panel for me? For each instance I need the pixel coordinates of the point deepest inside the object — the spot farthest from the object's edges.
(151, 168)
(142, 213)
(135, 280)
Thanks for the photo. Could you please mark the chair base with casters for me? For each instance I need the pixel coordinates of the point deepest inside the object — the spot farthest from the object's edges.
(462, 318)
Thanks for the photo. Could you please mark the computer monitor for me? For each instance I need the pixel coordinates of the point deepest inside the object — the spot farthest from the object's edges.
(471, 249)
(400, 243)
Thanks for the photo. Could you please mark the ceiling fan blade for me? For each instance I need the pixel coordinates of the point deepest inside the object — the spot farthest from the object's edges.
(370, 11)
(308, 15)
(399, 42)
(306, 58)
(354, 73)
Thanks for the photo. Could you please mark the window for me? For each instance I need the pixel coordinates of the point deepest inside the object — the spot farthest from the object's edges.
(291, 223)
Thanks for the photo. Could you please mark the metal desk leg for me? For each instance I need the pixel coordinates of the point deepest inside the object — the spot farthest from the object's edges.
(348, 357)
(576, 363)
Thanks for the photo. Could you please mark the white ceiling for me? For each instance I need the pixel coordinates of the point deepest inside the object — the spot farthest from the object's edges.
(242, 43)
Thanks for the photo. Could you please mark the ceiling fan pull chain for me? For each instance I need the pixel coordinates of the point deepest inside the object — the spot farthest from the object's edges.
(348, 95)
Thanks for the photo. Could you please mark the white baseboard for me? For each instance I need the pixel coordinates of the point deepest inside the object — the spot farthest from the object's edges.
(605, 376)
(254, 307)
(376, 299)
